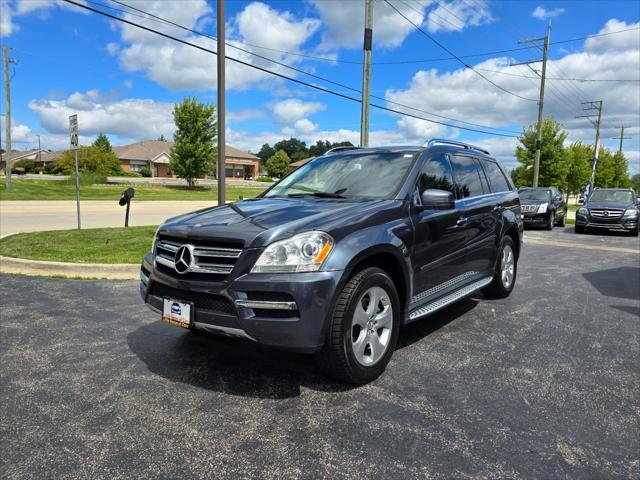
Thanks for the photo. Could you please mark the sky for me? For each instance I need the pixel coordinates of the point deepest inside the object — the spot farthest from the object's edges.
(124, 81)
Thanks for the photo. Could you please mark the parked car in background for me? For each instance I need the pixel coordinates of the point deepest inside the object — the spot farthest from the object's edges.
(543, 207)
(609, 209)
(334, 258)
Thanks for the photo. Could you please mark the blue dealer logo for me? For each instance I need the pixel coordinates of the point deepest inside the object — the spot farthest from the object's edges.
(175, 308)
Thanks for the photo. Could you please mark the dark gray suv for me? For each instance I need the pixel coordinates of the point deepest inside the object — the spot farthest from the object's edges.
(336, 257)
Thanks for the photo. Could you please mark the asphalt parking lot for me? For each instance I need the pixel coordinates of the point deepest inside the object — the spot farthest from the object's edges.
(544, 384)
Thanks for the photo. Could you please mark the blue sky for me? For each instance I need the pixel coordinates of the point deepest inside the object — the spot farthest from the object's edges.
(124, 82)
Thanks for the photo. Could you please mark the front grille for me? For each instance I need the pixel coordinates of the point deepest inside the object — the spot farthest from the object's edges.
(207, 258)
(606, 212)
(529, 208)
(203, 301)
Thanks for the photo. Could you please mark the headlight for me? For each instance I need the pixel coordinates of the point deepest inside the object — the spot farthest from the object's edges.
(631, 212)
(543, 208)
(305, 252)
(583, 211)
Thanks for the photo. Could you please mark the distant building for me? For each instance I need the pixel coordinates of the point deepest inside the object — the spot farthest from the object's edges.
(40, 160)
(300, 163)
(155, 154)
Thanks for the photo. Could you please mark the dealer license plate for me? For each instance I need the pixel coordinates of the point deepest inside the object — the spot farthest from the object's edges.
(177, 313)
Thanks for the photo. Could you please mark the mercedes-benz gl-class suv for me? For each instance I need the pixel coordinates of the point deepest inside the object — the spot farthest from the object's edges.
(337, 256)
(609, 209)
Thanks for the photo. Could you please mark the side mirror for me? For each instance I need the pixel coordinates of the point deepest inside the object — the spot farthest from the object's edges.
(434, 199)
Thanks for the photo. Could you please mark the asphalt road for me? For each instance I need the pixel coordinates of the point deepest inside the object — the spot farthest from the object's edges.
(38, 215)
(544, 384)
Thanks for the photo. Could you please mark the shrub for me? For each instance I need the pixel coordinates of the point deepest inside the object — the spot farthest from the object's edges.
(91, 160)
(145, 172)
(38, 170)
(264, 179)
(27, 164)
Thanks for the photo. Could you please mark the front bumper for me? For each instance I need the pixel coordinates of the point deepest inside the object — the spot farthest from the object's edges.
(281, 310)
(535, 219)
(626, 224)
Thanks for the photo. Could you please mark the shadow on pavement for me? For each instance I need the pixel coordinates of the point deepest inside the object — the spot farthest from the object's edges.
(243, 368)
(622, 282)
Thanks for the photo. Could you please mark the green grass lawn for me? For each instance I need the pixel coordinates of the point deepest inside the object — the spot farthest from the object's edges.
(62, 190)
(93, 245)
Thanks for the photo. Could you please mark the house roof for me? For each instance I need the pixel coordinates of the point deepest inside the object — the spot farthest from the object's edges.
(150, 149)
(45, 156)
(300, 163)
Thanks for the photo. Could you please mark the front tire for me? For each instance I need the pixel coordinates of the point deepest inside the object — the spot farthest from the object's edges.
(504, 277)
(552, 220)
(563, 222)
(634, 233)
(364, 328)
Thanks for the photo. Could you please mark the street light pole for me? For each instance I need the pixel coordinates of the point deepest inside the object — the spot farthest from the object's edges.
(366, 74)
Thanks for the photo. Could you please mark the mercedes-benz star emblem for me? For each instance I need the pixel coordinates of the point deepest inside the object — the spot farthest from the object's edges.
(183, 259)
(606, 213)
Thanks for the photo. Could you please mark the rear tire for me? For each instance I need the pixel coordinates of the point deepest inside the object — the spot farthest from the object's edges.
(361, 337)
(504, 277)
(563, 222)
(579, 229)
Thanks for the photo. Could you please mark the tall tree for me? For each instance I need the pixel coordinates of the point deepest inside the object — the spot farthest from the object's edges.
(579, 157)
(265, 153)
(323, 146)
(278, 164)
(635, 183)
(553, 162)
(194, 150)
(91, 160)
(612, 170)
(161, 138)
(102, 143)
(292, 146)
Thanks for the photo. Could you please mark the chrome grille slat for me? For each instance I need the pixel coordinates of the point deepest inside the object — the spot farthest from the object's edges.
(612, 212)
(201, 257)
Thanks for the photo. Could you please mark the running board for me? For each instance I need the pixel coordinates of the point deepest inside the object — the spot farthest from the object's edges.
(449, 299)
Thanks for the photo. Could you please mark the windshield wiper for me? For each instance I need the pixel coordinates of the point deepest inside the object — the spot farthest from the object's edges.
(316, 194)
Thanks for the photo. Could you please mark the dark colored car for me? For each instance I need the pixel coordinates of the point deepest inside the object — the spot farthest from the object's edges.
(609, 209)
(543, 207)
(334, 258)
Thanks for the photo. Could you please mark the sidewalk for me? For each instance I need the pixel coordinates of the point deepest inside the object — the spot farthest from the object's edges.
(35, 215)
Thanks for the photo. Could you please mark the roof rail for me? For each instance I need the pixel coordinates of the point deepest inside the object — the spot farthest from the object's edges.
(337, 149)
(433, 141)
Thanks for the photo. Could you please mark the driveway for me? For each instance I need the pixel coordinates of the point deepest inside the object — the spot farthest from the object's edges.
(543, 384)
(36, 215)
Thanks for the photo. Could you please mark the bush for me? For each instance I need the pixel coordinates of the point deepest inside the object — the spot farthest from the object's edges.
(38, 170)
(52, 169)
(264, 179)
(145, 172)
(91, 160)
(27, 164)
(87, 178)
(129, 174)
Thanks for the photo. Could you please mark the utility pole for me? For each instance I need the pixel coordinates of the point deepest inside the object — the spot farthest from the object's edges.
(221, 104)
(543, 76)
(621, 137)
(593, 106)
(366, 73)
(7, 118)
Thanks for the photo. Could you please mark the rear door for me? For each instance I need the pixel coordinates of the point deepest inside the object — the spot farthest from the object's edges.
(439, 240)
(480, 209)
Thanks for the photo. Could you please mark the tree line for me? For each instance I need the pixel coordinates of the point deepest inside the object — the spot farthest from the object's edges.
(568, 167)
(278, 157)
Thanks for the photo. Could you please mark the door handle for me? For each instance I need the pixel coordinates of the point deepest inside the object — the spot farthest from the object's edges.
(497, 208)
(462, 221)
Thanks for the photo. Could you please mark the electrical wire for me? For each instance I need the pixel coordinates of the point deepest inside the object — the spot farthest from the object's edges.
(280, 75)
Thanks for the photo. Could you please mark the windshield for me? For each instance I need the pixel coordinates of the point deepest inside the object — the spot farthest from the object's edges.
(535, 195)
(375, 175)
(612, 196)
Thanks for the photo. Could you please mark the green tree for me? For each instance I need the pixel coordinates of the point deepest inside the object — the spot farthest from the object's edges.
(579, 158)
(635, 182)
(322, 146)
(265, 153)
(193, 151)
(278, 164)
(102, 143)
(553, 162)
(293, 147)
(90, 160)
(161, 138)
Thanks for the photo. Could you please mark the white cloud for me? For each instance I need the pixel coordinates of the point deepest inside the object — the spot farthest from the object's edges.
(182, 67)
(237, 116)
(543, 14)
(619, 42)
(458, 15)
(290, 110)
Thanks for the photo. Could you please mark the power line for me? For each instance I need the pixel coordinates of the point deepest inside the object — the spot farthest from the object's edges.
(430, 37)
(347, 87)
(559, 79)
(280, 75)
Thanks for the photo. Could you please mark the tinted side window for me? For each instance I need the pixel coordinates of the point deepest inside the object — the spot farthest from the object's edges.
(468, 183)
(436, 174)
(497, 179)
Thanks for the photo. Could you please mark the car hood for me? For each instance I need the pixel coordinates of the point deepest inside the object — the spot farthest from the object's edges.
(258, 222)
(604, 205)
(533, 202)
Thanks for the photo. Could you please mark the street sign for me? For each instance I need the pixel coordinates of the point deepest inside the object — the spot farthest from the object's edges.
(73, 131)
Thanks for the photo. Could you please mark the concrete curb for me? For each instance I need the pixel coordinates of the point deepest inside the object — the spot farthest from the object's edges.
(124, 271)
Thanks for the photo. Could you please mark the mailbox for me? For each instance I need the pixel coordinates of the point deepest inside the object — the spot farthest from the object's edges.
(125, 199)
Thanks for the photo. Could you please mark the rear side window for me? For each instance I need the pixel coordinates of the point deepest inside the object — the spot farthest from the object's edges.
(436, 174)
(497, 180)
(467, 177)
